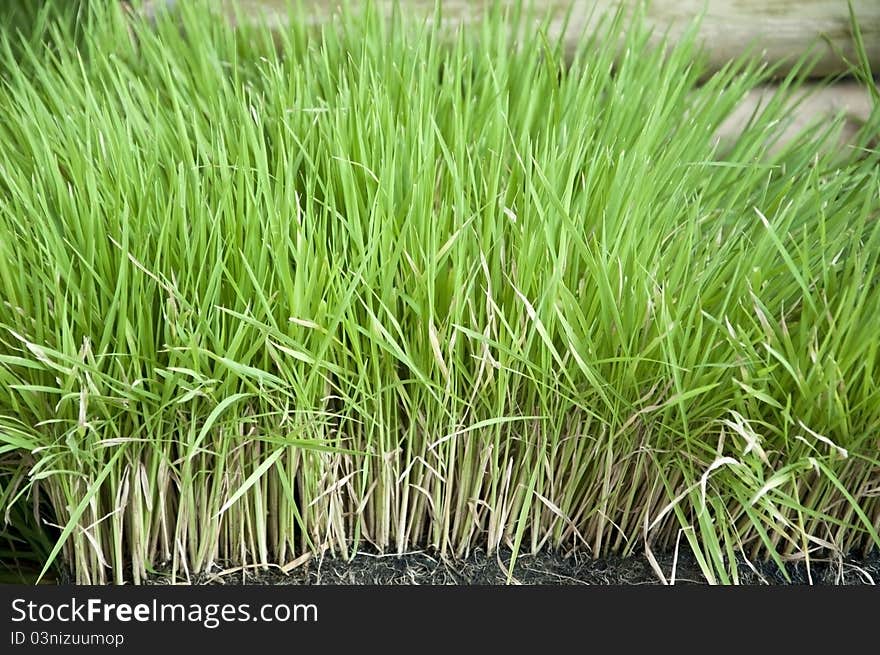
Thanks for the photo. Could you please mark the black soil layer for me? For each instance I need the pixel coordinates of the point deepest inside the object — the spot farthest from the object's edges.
(548, 568)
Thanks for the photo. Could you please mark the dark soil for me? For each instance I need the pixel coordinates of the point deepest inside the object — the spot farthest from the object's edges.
(548, 568)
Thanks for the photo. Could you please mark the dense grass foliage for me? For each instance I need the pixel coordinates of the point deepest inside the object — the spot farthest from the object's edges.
(263, 295)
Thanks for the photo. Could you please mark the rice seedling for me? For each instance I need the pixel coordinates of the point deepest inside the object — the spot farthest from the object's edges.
(267, 294)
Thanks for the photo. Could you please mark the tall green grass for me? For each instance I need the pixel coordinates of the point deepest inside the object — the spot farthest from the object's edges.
(266, 294)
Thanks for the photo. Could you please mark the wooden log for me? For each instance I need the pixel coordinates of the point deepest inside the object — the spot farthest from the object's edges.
(777, 30)
(812, 104)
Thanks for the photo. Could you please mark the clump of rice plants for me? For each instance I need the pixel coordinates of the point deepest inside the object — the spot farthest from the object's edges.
(265, 294)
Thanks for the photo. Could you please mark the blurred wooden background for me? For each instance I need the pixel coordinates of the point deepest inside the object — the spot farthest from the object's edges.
(777, 30)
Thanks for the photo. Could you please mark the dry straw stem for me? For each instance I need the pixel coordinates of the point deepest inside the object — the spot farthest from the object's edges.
(272, 294)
